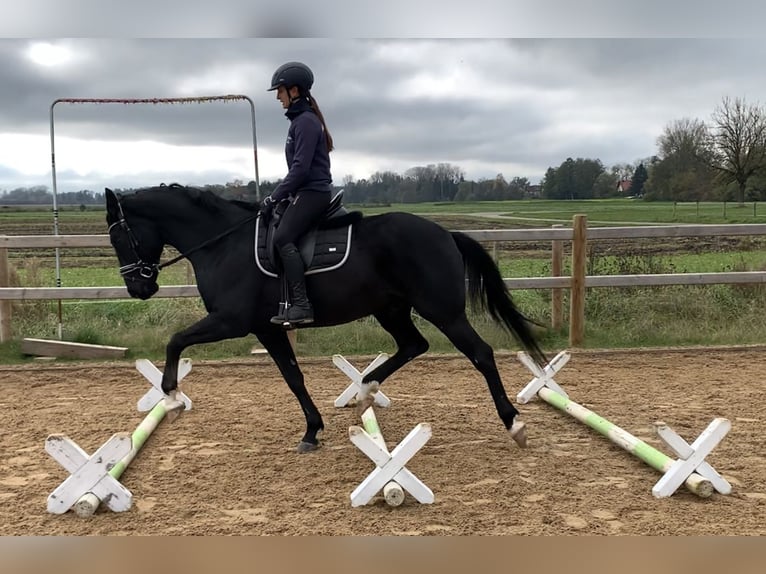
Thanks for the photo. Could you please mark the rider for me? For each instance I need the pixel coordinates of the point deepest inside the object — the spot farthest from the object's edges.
(308, 183)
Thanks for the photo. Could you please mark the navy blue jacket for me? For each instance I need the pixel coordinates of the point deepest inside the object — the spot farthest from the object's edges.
(308, 160)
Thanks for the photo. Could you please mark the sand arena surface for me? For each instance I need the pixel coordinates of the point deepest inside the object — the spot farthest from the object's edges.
(229, 466)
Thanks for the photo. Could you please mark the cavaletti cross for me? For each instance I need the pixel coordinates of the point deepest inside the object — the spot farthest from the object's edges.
(89, 473)
(154, 376)
(543, 377)
(691, 457)
(356, 377)
(391, 466)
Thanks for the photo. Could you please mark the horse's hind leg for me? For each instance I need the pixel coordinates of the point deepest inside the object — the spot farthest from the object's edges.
(397, 320)
(278, 346)
(467, 341)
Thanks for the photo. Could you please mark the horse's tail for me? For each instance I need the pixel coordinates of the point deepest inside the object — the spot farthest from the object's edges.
(487, 289)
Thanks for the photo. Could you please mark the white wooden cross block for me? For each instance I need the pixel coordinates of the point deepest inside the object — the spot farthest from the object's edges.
(356, 377)
(691, 458)
(154, 376)
(543, 377)
(89, 473)
(391, 466)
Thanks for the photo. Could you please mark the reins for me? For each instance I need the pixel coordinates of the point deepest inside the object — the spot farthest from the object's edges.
(160, 266)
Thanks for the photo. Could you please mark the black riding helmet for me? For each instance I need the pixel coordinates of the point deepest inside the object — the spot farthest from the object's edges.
(293, 74)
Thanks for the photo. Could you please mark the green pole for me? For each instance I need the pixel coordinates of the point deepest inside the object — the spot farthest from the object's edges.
(89, 502)
(139, 437)
(622, 438)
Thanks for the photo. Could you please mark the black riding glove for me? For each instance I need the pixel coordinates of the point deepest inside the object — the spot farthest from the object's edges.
(267, 207)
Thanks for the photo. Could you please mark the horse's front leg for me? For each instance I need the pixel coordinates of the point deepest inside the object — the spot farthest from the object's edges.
(277, 344)
(214, 327)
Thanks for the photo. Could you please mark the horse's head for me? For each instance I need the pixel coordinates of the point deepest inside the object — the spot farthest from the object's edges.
(137, 243)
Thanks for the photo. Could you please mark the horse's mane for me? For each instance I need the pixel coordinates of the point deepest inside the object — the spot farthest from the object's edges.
(213, 203)
(204, 198)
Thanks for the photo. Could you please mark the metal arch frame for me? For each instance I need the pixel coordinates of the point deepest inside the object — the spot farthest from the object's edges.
(184, 100)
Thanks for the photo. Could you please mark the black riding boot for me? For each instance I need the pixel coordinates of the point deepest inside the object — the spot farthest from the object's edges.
(299, 311)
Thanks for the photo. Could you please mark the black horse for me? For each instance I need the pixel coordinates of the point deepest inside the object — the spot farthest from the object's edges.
(395, 263)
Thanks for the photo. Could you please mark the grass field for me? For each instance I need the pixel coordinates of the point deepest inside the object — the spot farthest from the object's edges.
(614, 211)
(660, 316)
(604, 211)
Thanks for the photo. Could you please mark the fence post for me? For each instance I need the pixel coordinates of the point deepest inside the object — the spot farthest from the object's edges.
(5, 304)
(557, 260)
(577, 291)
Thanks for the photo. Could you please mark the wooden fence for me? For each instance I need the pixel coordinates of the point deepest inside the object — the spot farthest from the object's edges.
(577, 282)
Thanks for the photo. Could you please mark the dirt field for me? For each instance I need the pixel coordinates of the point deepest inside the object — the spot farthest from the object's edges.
(229, 466)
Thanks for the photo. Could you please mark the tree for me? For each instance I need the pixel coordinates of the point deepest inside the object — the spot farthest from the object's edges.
(499, 188)
(622, 171)
(465, 191)
(550, 184)
(573, 179)
(738, 142)
(638, 180)
(448, 177)
(681, 171)
(606, 185)
(518, 188)
(423, 176)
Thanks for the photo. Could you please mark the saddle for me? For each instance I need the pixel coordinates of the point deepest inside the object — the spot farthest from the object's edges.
(324, 247)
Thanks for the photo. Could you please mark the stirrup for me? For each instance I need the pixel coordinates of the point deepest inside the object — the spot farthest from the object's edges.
(295, 322)
(279, 318)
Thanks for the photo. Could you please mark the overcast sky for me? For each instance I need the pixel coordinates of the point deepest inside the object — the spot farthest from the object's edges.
(489, 106)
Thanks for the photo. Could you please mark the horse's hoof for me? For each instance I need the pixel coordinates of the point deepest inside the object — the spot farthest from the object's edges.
(173, 404)
(172, 412)
(366, 399)
(519, 433)
(363, 404)
(304, 447)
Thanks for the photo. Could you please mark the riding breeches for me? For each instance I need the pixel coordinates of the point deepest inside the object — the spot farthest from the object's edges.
(301, 214)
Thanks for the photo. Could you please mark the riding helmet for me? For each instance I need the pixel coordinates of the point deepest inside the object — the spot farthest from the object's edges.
(293, 74)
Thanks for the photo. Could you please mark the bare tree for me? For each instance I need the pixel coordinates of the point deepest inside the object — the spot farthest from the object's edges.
(738, 142)
(622, 170)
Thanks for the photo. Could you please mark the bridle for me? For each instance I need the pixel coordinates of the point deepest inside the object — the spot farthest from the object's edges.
(146, 270)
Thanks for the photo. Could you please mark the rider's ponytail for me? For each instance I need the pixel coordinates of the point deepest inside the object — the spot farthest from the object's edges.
(318, 112)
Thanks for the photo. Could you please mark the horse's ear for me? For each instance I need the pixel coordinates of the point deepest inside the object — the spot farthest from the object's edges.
(112, 208)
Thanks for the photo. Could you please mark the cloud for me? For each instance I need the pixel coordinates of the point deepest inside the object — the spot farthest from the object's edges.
(497, 105)
(392, 19)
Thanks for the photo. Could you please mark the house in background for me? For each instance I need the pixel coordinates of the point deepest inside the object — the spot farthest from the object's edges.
(623, 187)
